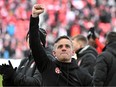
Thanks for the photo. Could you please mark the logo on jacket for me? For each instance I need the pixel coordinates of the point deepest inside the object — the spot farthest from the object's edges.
(57, 70)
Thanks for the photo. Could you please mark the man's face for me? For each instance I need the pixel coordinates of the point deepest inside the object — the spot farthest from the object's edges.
(63, 50)
(76, 44)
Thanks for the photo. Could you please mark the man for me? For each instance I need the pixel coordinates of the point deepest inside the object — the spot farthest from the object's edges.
(63, 71)
(105, 68)
(86, 55)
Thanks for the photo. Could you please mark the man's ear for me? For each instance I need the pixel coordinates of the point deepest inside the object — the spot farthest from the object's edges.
(54, 53)
(73, 53)
(81, 44)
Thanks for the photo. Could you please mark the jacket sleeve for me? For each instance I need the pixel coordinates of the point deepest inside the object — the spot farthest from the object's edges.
(25, 80)
(100, 71)
(38, 51)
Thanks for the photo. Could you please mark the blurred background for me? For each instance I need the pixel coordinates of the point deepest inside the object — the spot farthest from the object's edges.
(61, 17)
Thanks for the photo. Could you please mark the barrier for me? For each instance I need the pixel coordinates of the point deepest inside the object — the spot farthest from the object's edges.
(15, 62)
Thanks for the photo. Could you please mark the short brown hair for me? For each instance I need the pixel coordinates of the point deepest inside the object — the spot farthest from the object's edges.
(81, 38)
(63, 37)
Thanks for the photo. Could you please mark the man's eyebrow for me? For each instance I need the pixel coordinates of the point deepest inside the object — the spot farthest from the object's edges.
(64, 44)
(67, 44)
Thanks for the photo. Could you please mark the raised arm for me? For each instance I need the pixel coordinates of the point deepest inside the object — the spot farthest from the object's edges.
(38, 50)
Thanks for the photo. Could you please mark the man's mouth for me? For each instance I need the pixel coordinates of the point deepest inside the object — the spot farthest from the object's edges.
(64, 53)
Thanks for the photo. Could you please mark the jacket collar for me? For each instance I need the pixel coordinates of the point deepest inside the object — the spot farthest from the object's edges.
(72, 65)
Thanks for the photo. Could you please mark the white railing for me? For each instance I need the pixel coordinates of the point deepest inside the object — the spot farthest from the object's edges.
(15, 62)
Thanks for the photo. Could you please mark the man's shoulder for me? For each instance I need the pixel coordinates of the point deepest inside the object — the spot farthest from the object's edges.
(106, 56)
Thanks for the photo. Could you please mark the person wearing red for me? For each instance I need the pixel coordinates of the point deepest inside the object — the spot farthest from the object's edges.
(94, 40)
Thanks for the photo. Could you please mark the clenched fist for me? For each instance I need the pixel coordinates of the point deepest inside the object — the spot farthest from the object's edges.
(37, 10)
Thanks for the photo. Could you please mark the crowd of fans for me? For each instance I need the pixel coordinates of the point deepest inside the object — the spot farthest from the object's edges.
(62, 17)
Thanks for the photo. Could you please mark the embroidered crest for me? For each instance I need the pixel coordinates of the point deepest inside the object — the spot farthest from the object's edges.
(57, 70)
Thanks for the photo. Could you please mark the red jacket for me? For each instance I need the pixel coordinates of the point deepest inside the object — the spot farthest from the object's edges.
(100, 46)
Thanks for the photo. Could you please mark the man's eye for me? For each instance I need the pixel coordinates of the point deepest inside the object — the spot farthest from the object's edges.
(67, 46)
(60, 46)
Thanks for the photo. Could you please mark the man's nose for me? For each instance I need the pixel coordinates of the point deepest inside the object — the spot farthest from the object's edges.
(64, 48)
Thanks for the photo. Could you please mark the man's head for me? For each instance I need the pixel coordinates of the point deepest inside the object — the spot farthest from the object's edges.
(110, 37)
(79, 41)
(63, 49)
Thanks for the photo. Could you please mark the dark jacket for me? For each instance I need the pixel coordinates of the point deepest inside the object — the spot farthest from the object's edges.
(54, 73)
(26, 74)
(105, 69)
(86, 58)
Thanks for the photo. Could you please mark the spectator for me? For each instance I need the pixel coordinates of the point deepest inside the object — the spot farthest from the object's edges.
(64, 70)
(86, 55)
(105, 68)
(94, 40)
